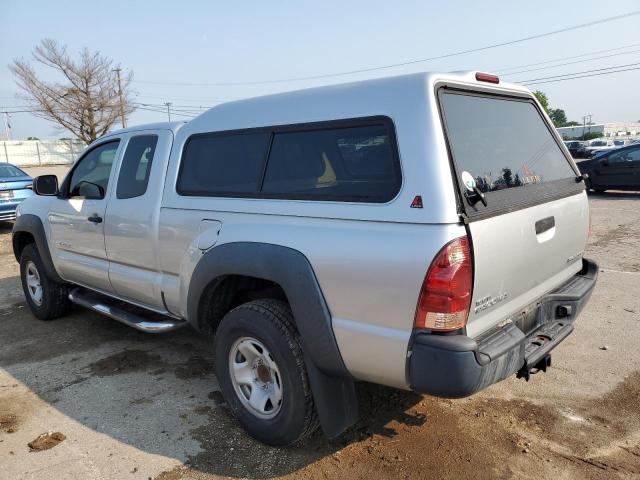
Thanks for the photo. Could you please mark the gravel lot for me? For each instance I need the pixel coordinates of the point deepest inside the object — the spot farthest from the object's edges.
(130, 405)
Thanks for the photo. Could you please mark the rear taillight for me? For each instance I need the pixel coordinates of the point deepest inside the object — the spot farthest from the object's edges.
(446, 291)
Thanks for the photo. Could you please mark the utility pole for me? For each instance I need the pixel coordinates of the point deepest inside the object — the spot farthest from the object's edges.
(124, 124)
(7, 126)
(168, 104)
(584, 123)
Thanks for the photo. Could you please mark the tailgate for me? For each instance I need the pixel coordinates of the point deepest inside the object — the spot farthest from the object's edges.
(529, 237)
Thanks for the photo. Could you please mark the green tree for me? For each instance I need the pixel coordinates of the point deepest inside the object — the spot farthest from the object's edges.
(591, 135)
(507, 175)
(558, 117)
(542, 98)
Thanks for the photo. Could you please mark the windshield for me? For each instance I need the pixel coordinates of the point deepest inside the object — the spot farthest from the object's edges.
(503, 143)
(8, 171)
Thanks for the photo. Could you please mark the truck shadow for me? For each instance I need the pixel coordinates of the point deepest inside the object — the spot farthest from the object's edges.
(159, 393)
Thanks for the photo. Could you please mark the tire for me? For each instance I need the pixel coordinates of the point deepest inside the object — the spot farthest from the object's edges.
(52, 300)
(265, 325)
(590, 188)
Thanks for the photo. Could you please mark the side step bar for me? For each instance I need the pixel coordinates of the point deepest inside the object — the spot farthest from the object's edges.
(121, 311)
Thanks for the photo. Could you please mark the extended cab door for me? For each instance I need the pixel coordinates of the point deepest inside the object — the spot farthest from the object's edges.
(529, 237)
(76, 218)
(131, 221)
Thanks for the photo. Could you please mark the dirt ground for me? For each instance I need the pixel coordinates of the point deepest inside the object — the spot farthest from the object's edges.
(121, 404)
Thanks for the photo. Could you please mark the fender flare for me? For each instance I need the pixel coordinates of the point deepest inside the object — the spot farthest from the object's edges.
(332, 386)
(32, 224)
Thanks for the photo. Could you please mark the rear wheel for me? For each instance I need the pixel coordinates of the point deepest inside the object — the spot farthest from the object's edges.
(260, 368)
(46, 298)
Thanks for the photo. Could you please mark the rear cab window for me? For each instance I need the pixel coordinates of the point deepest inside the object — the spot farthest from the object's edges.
(506, 147)
(136, 166)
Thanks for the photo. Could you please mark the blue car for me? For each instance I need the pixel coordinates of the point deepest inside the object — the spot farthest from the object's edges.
(15, 186)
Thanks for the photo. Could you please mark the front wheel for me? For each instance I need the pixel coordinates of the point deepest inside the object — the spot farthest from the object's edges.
(261, 371)
(46, 298)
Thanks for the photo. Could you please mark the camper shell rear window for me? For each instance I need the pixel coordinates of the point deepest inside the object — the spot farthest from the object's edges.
(504, 144)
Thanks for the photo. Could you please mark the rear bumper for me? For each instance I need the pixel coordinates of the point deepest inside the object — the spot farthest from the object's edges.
(457, 366)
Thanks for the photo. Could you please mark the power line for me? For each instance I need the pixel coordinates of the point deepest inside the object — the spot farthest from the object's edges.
(569, 63)
(578, 73)
(193, 108)
(583, 76)
(161, 108)
(186, 99)
(151, 108)
(164, 108)
(502, 70)
(164, 111)
(199, 101)
(400, 64)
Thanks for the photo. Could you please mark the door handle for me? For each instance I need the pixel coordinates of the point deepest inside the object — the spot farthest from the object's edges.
(95, 218)
(545, 224)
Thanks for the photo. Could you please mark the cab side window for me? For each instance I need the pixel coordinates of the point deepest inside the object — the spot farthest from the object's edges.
(90, 176)
(136, 166)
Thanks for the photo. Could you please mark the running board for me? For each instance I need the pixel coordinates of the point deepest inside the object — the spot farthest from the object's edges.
(121, 311)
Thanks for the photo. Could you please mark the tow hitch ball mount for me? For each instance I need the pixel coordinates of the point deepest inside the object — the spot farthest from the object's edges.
(527, 369)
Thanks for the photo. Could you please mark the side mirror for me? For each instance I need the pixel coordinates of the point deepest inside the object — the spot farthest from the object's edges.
(604, 161)
(46, 185)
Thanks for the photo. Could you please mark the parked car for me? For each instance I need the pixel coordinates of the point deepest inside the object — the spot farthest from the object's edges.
(615, 170)
(424, 232)
(15, 186)
(597, 146)
(615, 145)
(602, 152)
(577, 149)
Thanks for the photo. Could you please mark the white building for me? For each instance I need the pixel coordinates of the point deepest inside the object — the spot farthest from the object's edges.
(40, 152)
(610, 129)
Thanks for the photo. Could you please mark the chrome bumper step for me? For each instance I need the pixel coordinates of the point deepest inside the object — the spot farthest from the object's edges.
(131, 315)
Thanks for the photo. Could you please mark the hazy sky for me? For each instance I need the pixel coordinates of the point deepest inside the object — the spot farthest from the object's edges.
(236, 41)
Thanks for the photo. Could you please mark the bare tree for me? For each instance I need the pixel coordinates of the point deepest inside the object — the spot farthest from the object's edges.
(87, 102)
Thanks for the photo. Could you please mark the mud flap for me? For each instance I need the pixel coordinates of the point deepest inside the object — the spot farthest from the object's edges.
(335, 400)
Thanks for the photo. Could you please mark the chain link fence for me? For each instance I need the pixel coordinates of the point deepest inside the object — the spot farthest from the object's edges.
(33, 153)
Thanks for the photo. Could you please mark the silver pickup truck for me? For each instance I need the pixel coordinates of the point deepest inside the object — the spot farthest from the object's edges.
(424, 232)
